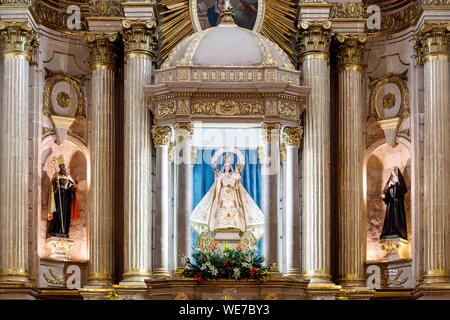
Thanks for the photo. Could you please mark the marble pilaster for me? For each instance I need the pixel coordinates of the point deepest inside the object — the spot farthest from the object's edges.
(291, 137)
(103, 64)
(140, 49)
(351, 219)
(185, 164)
(18, 43)
(162, 137)
(270, 166)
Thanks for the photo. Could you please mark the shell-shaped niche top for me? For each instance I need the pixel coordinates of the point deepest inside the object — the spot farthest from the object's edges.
(227, 45)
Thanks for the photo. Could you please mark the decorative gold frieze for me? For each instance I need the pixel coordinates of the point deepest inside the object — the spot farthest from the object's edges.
(140, 36)
(292, 136)
(351, 10)
(287, 109)
(184, 131)
(167, 109)
(161, 135)
(314, 39)
(432, 40)
(434, 3)
(270, 130)
(105, 8)
(18, 38)
(351, 51)
(102, 49)
(228, 108)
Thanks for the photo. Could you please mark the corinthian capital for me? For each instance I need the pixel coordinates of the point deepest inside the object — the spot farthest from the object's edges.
(351, 51)
(161, 135)
(292, 136)
(432, 40)
(140, 36)
(184, 131)
(314, 39)
(18, 38)
(270, 130)
(102, 49)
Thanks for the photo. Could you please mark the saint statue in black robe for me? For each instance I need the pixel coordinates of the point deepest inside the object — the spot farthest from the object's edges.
(63, 205)
(393, 195)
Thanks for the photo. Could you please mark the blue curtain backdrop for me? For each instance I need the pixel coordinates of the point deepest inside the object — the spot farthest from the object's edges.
(204, 178)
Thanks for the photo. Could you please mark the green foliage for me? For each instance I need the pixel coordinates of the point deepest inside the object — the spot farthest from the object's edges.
(228, 263)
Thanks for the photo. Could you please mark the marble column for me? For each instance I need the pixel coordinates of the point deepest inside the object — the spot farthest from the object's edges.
(18, 42)
(270, 166)
(162, 137)
(352, 235)
(314, 46)
(433, 51)
(102, 139)
(291, 205)
(140, 49)
(185, 164)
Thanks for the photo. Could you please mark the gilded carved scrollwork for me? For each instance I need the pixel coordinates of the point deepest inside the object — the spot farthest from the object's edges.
(102, 49)
(351, 51)
(140, 36)
(18, 38)
(287, 109)
(105, 8)
(314, 39)
(162, 136)
(228, 108)
(351, 10)
(167, 109)
(432, 40)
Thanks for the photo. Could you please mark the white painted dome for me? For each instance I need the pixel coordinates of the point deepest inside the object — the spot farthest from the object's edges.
(227, 45)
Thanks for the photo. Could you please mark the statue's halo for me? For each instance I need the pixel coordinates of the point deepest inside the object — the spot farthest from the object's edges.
(220, 152)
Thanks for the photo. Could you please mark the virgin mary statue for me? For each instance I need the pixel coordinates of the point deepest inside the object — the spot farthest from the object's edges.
(227, 205)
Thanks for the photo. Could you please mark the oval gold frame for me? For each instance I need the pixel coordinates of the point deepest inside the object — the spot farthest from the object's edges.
(256, 28)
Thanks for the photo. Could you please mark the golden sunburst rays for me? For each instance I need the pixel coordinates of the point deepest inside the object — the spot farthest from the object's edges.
(174, 24)
(280, 24)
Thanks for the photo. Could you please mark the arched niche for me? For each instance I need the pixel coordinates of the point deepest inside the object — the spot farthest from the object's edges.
(379, 159)
(76, 158)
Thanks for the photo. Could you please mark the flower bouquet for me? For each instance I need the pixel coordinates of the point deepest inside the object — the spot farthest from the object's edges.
(227, 263)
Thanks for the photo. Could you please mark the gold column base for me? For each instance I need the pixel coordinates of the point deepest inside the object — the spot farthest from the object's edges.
(356, 294)
(100, 280)
(133, 276)
(161, 272)
(15, 277)
(293, 273)
(352, 283)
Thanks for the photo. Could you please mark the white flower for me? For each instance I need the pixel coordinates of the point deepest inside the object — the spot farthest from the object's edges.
(205, 266)
(214, 271)
(246, 265)
(236, 273)
(184, 260)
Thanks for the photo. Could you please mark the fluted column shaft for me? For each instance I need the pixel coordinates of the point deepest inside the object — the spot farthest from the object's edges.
(434, 53)
(102, 137)
(17, 41)
(139, 40)
(270, 166)
(291, 138)
(185, 159)
(314, 45)
(162, 139)
(352, 236)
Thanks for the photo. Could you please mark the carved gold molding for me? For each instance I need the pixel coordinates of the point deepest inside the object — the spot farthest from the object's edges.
(161, 135)
(228, 108)
(292, 136)
(432, 40)
(167, 109)
(287, 109)
(314, 39)
(270, 130)
(105, 8)
(17, 2)
(377, 85)
(140, 36)
(351, 10)
(351, 52)
(102, 51)
(18, 38)
(52, 78)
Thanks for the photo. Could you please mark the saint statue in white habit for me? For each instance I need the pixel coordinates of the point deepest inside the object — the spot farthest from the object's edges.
(227, 206)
